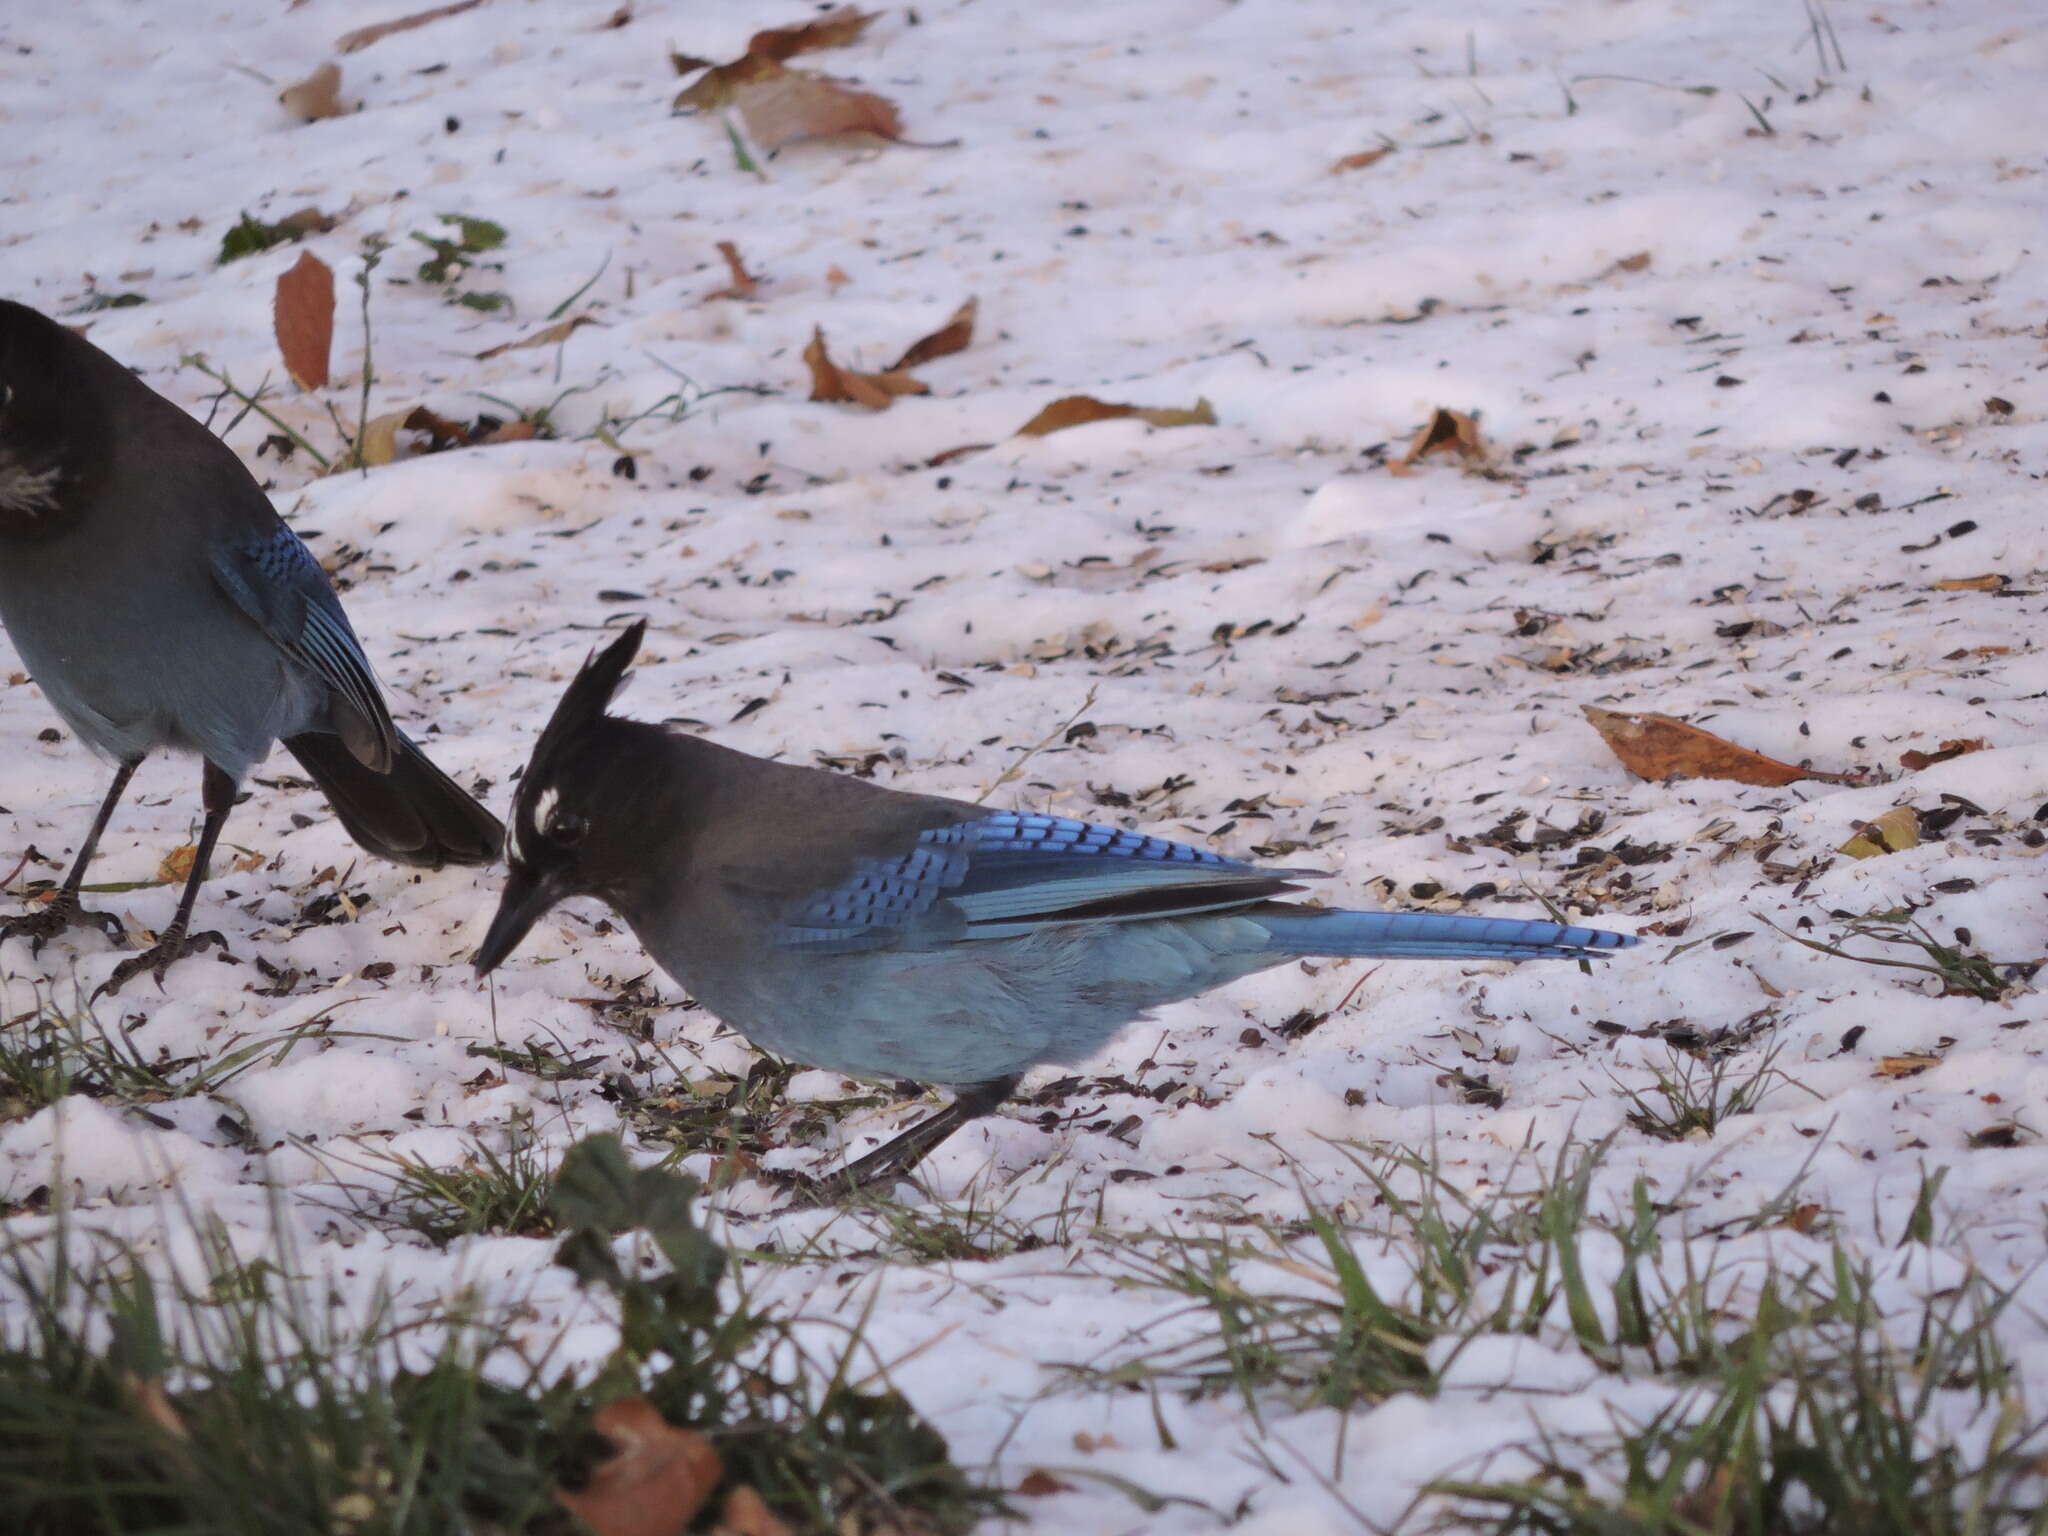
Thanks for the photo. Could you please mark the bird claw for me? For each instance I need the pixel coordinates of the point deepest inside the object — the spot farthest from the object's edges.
(158, 958)
(60, 912)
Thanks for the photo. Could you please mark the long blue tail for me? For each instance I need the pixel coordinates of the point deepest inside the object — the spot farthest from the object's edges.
(1429, 936)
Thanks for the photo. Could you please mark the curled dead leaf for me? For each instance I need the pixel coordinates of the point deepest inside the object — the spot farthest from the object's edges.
(1911, 1065)
(1915, 761)
(362, 37)
(1990, 581)
(876, 391)
(1658, 747)
(561, 330)
(176, 866)
(1447, 431)
(1894, 832)
(302, 314)
(743, 283)
(378, 442)
(835, 29)
(1079, 410)
(1362, 159)
(949, 338)
(316, 96)
(782, 106)
(655, 1484)
(1039, 1483)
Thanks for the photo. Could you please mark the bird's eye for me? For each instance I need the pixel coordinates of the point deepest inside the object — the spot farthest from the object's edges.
(565, 829)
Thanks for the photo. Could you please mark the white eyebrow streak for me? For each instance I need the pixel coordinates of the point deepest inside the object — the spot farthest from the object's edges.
(544, 807)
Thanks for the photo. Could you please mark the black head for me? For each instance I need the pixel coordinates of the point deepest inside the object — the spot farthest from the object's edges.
(552, 814)
(51, 417)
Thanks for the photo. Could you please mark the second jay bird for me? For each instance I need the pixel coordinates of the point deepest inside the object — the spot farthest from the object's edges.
(883, 934)
(160, 602)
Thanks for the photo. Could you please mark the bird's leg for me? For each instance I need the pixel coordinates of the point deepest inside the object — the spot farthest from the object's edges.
(63, 910)
(899, 1156)
(217, 792)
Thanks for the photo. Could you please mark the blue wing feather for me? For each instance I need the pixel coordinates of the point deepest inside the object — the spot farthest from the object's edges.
(1009, 872)
(274, 579)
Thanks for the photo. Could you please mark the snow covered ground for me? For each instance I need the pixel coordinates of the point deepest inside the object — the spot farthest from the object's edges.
(1753, 334)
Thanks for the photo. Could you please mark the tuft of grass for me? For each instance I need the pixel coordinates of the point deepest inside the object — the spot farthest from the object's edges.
(1694, 1098)
(1962, 969)
(501, 1194)
(248, 1405)
(1838, 1420)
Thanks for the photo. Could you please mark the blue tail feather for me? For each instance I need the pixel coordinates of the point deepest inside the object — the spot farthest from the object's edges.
(1429, 936)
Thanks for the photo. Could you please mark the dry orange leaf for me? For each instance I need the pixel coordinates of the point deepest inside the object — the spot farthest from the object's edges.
(1079, 410)
(1361, 160)
(1658, 747)
(655, 1484)
(362, 37)
(743, 284)
(176, 867)
(1639, 262)
(835, 278)
(1990, 581)
(316, 96)
(1894, 832)
(1906, 1066)
(835, 29)
(949, 338)
(561, 330)
(302, 313)
(876, 391)
(1447, 430)
(1949, 749)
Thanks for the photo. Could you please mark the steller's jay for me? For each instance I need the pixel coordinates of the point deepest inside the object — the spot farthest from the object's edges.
(160, 601)
(884, 934)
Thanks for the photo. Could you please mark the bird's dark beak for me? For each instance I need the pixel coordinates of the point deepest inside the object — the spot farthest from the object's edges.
(525, 902)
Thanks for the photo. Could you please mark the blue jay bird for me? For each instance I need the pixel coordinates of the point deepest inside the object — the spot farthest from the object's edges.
(160, 601)
(884, 934)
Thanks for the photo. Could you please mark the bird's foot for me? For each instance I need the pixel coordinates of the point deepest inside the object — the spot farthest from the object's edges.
(158, 958)
(53, 917)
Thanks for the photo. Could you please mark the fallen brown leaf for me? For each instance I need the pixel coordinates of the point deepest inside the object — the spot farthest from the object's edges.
(1990, 581)
(782, 106)
(176, 866)
(746, 1513)
(302, 314)
(1803, 1218)
(1361, 160)
(951, 455)
(743, 283)
(1658, 747)
(521, 431)
(1039, 1483)
(1079, 410)
(1447, 429)
(835, 29)
(1894, 832)
(316, 96)
(949, 338)
(1949, 749)
(655, 1484)
(362, 37)
(1637, 263)
(378, 443)
(246, 863)
(561, 330)
(876, 391)
(1906, 1066)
